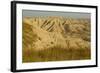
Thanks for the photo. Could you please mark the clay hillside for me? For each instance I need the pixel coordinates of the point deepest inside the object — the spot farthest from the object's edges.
(55, 33)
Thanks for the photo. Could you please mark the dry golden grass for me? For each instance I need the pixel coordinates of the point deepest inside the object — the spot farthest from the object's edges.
(55, 54)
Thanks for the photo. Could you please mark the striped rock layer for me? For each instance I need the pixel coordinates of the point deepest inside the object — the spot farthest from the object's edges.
(40, 33)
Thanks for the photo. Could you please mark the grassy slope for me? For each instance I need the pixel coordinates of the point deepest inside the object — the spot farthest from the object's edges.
(55, 54)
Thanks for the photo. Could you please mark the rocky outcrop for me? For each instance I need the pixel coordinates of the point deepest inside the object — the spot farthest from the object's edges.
(40, 33)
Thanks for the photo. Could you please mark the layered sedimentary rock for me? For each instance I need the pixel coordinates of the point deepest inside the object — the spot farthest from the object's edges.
(40, 33)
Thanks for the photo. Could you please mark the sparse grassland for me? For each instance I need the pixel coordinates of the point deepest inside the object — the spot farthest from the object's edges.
(55, 54)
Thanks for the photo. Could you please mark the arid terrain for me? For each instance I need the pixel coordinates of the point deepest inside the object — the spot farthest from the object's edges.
(57, 38)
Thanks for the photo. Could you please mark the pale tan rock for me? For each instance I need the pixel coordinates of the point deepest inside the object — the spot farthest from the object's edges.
(48, 32)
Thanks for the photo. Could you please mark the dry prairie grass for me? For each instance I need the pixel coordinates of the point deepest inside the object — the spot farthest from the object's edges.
(55, 54)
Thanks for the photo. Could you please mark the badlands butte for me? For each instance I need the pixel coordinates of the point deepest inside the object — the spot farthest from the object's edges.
(55, 38)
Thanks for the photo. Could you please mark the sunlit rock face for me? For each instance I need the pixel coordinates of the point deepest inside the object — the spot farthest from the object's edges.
(40, 33)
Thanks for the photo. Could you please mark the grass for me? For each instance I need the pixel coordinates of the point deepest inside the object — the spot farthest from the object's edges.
(55, 54)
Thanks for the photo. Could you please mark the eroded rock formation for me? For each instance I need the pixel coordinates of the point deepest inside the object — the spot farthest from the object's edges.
(40, 33)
